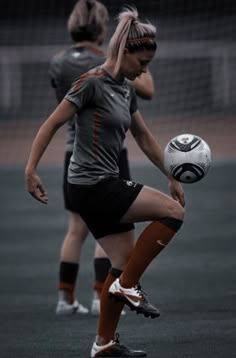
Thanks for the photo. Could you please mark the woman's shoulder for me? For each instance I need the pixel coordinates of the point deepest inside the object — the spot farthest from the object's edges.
(96, 72)
(93, 76)
(90, 80)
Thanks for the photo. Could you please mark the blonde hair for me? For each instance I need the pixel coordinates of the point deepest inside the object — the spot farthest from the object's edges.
(87, 20)
(131, 34)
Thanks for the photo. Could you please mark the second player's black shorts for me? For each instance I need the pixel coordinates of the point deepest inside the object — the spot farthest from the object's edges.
(103, 205)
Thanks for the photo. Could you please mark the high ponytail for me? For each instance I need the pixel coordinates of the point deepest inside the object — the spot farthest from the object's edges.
(131, 34)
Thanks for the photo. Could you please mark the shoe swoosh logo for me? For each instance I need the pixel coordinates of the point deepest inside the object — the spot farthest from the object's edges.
(135, 303)
(161, 243)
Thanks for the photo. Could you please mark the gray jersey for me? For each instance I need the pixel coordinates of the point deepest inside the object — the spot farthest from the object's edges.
(65, 68)
(104, 114)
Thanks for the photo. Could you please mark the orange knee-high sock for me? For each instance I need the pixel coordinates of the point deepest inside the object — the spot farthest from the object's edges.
(98, 286)
(150, 243)
(110, 310)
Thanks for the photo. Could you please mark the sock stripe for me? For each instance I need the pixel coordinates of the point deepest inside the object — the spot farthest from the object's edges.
(65, 286)
(115, 272)
(171, 223)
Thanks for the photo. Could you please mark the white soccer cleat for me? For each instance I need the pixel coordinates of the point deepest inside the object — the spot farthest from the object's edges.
(65, 308)
(95, 307)
(97, 351)
(82, 309)
(115, 349)
(135, 298)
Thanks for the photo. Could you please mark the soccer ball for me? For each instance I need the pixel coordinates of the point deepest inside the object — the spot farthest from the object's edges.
(187, 158)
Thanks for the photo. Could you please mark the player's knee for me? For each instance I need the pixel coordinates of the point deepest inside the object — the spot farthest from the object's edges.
(120, 260)
(177, 211)
(77, 234)
(181, 212)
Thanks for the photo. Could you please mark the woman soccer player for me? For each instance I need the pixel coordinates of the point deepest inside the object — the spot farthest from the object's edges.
(87, 27)
(106, 107)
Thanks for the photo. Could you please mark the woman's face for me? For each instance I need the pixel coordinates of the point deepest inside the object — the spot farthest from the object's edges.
(134, 64)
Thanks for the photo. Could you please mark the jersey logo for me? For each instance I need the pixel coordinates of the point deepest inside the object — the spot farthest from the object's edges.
(126, 95)
(76, 54)
(130, 183)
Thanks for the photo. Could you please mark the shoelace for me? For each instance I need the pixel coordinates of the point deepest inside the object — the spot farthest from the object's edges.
(117, 336)
(116, 340)
(141, 292)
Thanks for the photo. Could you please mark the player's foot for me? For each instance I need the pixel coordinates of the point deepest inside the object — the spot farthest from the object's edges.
(135, 298)
(115, 349)
(65, 308)
(95, 307)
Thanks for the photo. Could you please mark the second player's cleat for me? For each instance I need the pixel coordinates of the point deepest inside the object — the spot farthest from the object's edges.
(65, 308)
(115, 349)
(135, 298)
(95, 307)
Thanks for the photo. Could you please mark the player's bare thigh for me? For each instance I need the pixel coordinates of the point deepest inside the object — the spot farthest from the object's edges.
(77, 226)
(152, 204)
(118, 247)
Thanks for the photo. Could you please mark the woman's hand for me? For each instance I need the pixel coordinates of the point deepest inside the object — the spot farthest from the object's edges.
(176, 191)
(35, 187)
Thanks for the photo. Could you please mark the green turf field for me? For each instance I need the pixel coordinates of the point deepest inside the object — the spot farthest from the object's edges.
(193, 281)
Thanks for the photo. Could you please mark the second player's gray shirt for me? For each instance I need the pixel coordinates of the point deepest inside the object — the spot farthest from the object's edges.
(65, 68)
(105, 106)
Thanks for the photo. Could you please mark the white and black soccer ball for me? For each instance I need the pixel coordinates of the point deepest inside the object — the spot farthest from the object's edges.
(187, 158)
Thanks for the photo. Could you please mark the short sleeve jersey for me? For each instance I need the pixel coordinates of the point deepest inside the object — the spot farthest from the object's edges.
(65, 68)
(105, 106)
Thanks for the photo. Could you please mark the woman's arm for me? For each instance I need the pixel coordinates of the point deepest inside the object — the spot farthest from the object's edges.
(147, 142)
(150, 146)
(144, 85)
(62, 114)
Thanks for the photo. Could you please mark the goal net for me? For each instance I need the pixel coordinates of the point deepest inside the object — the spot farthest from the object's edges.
(194, 72)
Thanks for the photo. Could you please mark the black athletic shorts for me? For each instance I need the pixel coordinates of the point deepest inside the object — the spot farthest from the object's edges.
(124, 171)
(123, 168)
(103, 205)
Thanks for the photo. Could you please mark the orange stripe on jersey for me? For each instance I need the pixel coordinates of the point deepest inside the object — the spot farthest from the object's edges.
(97, 123)
(59, 53)
(77, 84)
(95, 50)
(83, 77)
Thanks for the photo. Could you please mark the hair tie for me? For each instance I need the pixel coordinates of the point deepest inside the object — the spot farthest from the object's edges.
(140, 39)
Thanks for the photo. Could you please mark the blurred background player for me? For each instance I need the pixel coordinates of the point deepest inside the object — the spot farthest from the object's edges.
(87, 26)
